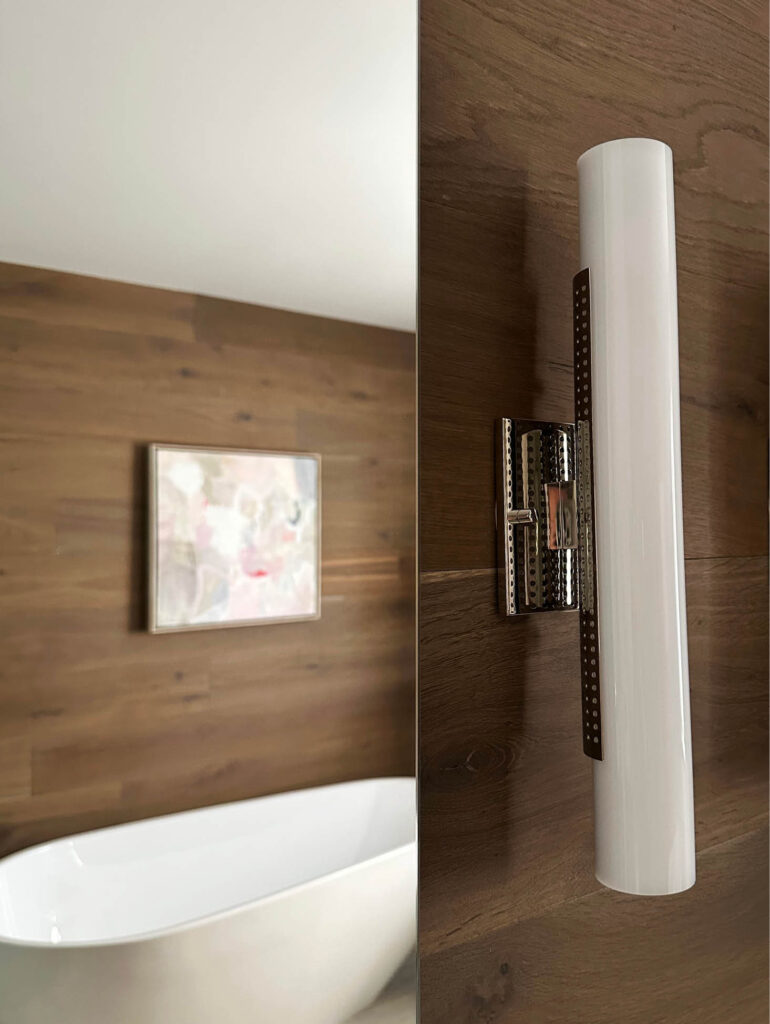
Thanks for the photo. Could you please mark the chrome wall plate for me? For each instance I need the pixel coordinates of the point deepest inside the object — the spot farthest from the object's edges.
(537, 522)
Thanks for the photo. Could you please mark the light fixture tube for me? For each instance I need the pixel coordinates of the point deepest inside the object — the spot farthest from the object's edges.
(643, 789)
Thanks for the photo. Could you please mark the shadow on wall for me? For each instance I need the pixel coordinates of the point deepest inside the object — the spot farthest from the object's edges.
(483, 317)
(477, 357)
(499, 699)
(724, 430)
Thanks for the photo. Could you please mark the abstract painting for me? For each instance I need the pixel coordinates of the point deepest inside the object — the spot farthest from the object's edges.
(234, 537)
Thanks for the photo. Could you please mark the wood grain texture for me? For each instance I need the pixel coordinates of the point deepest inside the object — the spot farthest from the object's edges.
(101, 722)
(696, 958)
(513, 926)
(506, 814)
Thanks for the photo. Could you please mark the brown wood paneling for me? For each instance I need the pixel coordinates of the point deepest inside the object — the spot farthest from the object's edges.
(696, 958)
(101, 722)
(513, 926)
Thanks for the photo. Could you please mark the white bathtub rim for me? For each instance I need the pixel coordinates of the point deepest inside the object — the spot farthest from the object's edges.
(219, 915)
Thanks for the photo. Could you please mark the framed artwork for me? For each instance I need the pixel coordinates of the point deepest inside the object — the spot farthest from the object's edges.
(234, 537)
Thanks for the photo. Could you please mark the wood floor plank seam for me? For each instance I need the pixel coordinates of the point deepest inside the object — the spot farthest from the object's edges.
(434, 575)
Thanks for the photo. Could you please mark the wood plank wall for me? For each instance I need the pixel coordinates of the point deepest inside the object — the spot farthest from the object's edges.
(101, 722)
(514, 929)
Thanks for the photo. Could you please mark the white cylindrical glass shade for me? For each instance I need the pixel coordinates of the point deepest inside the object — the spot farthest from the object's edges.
(643, 793)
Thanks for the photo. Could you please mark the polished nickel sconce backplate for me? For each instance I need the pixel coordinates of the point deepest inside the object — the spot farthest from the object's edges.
(545, 519)
(537, 517)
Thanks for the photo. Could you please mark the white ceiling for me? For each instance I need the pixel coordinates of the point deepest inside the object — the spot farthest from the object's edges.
(261, 150)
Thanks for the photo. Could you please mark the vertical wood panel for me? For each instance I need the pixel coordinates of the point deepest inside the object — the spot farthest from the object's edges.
(101, 722)
(513, 926)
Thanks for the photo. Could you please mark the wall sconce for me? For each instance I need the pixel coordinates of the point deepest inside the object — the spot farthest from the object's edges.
(590, 519)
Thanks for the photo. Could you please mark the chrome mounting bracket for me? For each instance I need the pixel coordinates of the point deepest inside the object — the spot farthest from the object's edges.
(545, 519)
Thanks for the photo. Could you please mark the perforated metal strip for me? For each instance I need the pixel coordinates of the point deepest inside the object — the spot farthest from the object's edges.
(589, 622)
(510, 539)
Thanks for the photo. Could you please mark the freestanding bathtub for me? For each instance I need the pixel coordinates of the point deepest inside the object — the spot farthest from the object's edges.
(289, 909)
